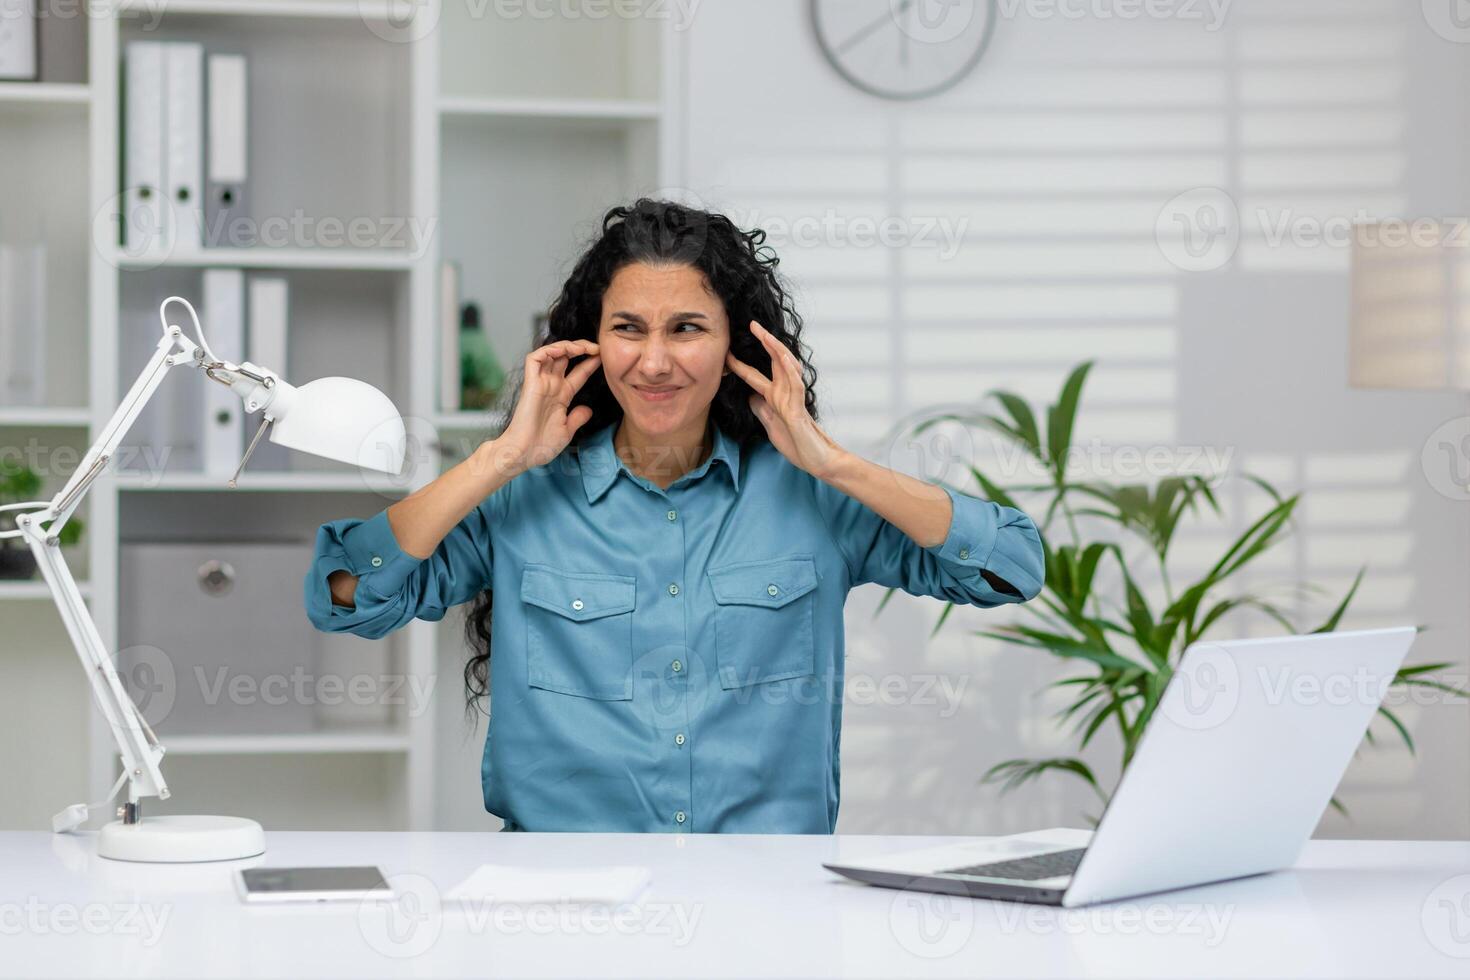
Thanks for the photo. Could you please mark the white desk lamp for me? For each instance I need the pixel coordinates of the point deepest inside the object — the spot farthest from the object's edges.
(338, 418)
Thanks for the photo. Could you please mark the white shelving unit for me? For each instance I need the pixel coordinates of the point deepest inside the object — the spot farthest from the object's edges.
(45, 141)
(508, 138)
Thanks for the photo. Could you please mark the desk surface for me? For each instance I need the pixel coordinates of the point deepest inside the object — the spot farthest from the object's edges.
(719, 906)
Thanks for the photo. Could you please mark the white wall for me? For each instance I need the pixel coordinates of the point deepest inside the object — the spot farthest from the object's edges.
(1055, 159)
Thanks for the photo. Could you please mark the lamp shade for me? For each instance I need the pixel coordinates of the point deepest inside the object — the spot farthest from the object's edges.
(342, 419)
(1410, 306)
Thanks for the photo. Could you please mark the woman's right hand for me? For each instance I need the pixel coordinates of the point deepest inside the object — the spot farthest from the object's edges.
(541, 427)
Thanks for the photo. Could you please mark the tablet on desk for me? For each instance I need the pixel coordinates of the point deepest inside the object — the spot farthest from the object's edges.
(325, 884)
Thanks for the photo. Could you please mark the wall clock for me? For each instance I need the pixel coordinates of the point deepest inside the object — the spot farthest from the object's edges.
(903, 49)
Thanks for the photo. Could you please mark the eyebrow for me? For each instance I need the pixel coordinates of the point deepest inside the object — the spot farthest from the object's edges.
(691, 315)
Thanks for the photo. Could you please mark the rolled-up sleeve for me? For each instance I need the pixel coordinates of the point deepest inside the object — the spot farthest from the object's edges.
(990, 556)
(394, 587)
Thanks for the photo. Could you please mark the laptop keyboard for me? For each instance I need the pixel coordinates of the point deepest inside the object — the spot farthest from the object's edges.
(1050, 865)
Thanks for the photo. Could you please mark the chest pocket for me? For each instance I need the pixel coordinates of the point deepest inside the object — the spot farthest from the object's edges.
(763, 619)
(579, 632)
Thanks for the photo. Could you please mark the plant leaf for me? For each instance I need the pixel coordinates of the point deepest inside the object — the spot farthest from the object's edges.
(1060, 419)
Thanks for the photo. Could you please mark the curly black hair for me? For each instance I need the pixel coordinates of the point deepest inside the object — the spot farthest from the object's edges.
(738, 268)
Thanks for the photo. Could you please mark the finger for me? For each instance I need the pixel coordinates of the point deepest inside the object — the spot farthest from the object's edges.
(780, 354)
(579, 374)
(748, 374)
(761, 409)
(578, 417)
(786, 382)
(565, 348)
(784, 354)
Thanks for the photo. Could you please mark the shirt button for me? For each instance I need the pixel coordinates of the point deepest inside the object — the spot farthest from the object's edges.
(673, 514)
(377, 561)
(677, 665)
(772, 590)
(964, 552)
(576, 603)
(679, 739)
(679, 817)
(673, 588)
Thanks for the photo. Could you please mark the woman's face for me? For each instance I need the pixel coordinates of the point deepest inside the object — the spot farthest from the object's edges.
(662, 328)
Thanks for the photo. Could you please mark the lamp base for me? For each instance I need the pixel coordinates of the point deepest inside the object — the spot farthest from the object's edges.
(181, 839)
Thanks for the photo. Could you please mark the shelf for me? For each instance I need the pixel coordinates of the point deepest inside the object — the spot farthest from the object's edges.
(275, 482)
(369, 741)
(549, 110)
(466, 420)
(365, 260)
(43, 417)
(36, 589)
(44, 93)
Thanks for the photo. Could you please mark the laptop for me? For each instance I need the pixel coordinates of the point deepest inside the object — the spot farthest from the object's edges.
(1235, 768)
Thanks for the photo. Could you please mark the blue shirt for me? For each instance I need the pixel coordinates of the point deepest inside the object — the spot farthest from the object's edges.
(667, 659)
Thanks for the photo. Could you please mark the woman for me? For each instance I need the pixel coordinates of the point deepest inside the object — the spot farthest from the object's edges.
(672, 539)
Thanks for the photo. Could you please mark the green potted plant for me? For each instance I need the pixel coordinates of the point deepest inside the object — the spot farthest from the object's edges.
(18, 484)
(1127, 647)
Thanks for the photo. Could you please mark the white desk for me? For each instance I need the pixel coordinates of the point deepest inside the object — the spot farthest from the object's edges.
(721, 906)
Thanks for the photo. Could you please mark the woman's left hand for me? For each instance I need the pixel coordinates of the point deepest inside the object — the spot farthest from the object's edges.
(780, 403)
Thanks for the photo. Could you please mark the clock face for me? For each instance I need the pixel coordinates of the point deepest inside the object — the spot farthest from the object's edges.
(903, 49)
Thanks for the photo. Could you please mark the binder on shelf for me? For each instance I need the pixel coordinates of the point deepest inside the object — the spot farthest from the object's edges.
(224, 423)
(183, 116)
(449, 380)
(228, 165)
(268, 319)
(23, 325)
(143, 128)
(20, 41)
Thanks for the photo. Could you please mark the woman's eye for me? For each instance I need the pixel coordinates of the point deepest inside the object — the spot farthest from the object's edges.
(686, 323)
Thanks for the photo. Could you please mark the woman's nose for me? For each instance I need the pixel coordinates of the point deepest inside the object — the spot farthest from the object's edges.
(655, 361)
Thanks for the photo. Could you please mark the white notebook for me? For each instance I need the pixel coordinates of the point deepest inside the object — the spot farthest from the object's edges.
(613, 885)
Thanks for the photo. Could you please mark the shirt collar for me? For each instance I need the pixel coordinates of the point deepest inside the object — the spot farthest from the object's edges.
(601, 463)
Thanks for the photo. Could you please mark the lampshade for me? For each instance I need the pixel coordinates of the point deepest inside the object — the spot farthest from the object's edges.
(1410, 306)
(342, 419)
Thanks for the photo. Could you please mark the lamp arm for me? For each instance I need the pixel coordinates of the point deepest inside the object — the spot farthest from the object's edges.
(41, 530)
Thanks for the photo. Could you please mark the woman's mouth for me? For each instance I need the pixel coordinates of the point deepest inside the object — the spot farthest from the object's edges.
(656, 394)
